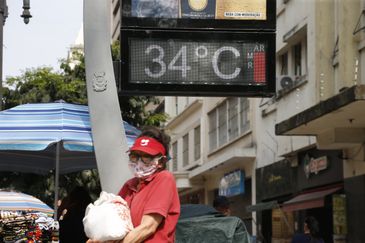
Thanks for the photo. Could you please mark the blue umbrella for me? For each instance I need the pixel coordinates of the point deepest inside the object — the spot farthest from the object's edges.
(17, 201)
(44, 136)
(29, 134)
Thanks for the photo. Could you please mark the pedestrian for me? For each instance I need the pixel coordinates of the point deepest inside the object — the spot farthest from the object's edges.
(311, 232)
(71, 213)
(152, 194)
(222, 204)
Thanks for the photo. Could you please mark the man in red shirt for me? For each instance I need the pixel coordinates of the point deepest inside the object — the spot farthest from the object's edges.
(156, 197)
(152, 194)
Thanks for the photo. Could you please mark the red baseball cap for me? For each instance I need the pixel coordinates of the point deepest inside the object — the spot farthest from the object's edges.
(148, 145)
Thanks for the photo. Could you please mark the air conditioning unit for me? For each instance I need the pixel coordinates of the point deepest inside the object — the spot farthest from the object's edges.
(284, 82)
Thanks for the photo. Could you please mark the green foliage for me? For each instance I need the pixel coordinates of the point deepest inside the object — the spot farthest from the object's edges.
(135, 108)
(43, 84)
(35, 185)
(155, 119)
(137, 114)
(115, 48)
(87, 178)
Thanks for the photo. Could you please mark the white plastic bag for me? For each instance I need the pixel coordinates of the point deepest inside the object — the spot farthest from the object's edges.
(108, 218)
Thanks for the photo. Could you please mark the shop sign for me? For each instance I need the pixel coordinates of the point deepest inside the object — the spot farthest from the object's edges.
(232, 184)
(314, 165)
(275, 180)
(339, 214)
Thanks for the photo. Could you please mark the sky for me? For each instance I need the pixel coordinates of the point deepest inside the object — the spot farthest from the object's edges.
(45, 40)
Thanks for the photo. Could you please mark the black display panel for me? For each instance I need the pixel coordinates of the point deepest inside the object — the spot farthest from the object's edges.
(197, 63)
(197, 14)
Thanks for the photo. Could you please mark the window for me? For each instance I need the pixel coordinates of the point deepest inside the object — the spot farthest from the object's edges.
(174, 156)
(232, 118)
(297, 52)
(229, 120)
(284, 64)
(197, 143)
(186, 150)
(291, 61)
(222, 124)
(212, 134)
(244, 109)
(295, 63)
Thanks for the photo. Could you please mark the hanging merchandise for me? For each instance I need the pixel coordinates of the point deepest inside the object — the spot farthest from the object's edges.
(27, 227)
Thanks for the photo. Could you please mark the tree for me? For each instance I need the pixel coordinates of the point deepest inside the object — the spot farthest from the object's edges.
(40, 85)
(43, 84)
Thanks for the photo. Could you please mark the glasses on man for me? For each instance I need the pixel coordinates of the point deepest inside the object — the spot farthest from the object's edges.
(145, 158)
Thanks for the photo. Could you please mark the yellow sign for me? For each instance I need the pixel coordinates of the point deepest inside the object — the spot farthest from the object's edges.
(198, 5)
(241, 9)
(339, 214)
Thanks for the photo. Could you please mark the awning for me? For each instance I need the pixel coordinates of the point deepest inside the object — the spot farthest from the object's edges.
(338, 122)
(314, 199)
(225, 161)
(262, 206)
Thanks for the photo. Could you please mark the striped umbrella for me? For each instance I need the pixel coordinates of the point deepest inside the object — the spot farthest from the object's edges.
(29, 134)
(40, 137)
(17, 201)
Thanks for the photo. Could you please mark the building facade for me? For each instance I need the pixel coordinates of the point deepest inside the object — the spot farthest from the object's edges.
(115, 20)
(299, 153)
(312, 129)
(213, 150)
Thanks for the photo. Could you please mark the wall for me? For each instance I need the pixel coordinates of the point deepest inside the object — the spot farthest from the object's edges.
(355, 200)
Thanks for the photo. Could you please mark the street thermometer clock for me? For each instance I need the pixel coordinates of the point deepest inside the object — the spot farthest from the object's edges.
(197, 48)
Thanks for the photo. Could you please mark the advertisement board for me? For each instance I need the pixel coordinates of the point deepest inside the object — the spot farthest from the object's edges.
(232, 184)
(199, 14)
(339, 214)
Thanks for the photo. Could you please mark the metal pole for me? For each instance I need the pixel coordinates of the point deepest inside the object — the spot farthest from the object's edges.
(2, 22)
(3, 15)
(56, 180)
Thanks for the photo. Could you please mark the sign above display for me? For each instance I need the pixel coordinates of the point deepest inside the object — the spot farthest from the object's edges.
(210, 63)
(314, 165)
(224, 14)
(232, 184)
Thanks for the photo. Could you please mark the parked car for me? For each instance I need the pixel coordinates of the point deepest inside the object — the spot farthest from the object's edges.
(200, 223)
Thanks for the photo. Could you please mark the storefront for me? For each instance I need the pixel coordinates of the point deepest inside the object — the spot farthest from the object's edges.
(275, 184)
(332, 122)
(320, 193)
(194, 197)
(237, 188)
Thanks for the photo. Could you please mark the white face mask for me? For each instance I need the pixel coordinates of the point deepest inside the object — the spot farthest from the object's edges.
(141, 170)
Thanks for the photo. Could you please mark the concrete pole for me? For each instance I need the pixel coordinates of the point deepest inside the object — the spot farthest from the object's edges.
(108, 133)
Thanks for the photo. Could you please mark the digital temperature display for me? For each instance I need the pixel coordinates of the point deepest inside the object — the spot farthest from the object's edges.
(198, 63)
(191, 62)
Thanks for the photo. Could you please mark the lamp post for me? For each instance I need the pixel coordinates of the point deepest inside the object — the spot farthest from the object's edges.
(3, 15)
